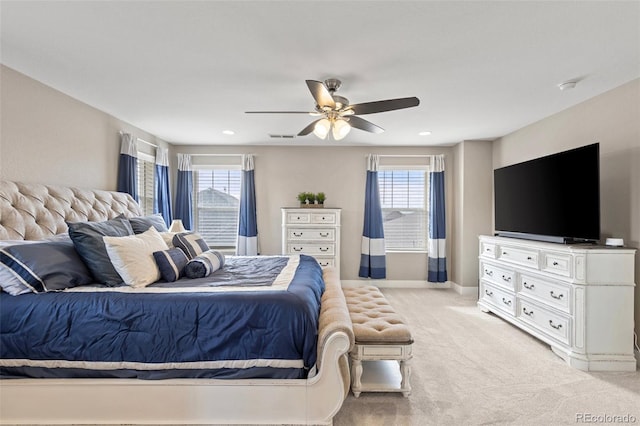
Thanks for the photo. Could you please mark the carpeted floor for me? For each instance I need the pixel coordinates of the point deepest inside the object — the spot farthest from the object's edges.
(472, 368)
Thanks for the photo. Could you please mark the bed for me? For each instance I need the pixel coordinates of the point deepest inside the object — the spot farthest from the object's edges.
(296, 374)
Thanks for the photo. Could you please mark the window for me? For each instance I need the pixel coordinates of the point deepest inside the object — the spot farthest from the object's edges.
(146, 182)
(217, 205)
(403, 197)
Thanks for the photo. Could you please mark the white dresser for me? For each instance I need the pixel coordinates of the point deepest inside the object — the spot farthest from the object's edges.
(315, 232)
(577, 298)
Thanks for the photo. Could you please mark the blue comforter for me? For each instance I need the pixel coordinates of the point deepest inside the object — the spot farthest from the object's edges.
(256, 332)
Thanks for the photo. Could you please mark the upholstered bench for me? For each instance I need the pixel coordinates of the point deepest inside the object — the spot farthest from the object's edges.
(380, 334)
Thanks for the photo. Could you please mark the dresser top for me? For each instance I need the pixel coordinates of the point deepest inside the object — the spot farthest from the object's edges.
(508, 241)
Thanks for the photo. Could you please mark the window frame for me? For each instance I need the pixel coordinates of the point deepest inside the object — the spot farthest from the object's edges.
(409, 167)
(196, 168)
(143, 158)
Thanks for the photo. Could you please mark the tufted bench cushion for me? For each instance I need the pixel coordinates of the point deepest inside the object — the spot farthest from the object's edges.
(381, 335)
(374, 319)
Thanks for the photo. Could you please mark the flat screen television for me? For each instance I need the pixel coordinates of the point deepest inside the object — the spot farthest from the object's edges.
(554, 198)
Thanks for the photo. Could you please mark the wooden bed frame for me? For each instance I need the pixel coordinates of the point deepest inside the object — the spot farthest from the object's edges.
(33, 211)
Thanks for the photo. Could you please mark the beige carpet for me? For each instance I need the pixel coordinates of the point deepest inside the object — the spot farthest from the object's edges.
(472, 368)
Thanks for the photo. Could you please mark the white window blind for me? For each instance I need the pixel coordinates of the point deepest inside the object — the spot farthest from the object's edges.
(146, 183)
(403, 197)
(217, 205)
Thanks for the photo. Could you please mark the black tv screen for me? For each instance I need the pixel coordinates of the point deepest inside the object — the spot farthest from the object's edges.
(553, 198)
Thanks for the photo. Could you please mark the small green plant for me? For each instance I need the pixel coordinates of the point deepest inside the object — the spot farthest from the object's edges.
(320, 197)
(311, 197)
(302, 197)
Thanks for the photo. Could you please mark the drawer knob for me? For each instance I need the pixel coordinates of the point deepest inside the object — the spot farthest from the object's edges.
(324, 249)
(297, 249)
(527, 313)
(488, 293)
(504, 253)
(558, 296)
(488, 272)
(528, 286)
(555, 263)
(297, 234)
(324, 234)
(507, 279)
(529, 258)
(506, 302)
(557, 327)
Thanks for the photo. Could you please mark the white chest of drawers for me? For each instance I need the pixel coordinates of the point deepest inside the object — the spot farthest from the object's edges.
(315, 232)
(576, 298)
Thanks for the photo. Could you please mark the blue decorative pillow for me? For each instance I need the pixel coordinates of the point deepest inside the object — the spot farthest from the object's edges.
(42, 266)
(204, 264)
(143, 223)
(171, 263)
(87, 239)
(190, 243)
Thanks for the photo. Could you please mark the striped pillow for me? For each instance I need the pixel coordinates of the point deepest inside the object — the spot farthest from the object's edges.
(204, 264)
(190, 243)
(171, 263)
(41, 266)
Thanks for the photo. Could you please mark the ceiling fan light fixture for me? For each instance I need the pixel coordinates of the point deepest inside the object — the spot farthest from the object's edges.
(340, 129)
(322, 128)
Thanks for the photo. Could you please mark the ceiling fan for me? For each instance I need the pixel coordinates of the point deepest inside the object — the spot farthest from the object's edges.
(337, 115)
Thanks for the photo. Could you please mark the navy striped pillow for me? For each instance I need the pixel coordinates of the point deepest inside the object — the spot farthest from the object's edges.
(42, 266)
(190, 243)
(204, 264)
(171, 263)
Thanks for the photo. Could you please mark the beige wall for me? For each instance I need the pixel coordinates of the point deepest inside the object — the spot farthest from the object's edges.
(281, 172)
(613, 119)
(47, 136)
(472, 210)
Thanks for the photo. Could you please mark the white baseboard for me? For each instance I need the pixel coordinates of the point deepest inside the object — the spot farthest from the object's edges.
(462, 291)
(465, 291)
(395, 283)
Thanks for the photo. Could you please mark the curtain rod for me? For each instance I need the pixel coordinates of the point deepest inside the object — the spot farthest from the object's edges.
(213, 155)
(148, 143)
(405, 155)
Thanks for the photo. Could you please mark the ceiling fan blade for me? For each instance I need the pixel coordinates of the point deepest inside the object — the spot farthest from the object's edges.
(280, 112)
(362, 124)
(321, 94)
(382, 106)
(308, 129)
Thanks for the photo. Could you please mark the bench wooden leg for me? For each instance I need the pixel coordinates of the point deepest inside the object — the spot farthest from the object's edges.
(356, 376)
(405, 371)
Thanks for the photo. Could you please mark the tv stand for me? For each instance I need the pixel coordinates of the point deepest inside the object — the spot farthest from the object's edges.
(576, 298)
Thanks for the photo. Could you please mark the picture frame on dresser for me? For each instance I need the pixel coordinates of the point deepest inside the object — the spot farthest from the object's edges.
(576, 298)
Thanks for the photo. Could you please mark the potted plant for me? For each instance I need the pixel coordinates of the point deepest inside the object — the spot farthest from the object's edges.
(320, 197)
(311, 198)
(302, 198)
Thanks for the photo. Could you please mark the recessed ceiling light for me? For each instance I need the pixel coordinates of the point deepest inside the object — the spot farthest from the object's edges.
(228, 132)
(425, 133)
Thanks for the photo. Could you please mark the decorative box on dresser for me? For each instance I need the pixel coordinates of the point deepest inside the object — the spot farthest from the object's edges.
(576, 298)
(315, 232)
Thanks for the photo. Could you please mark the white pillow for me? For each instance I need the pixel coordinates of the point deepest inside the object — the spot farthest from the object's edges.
(168, 238)
(132, 256)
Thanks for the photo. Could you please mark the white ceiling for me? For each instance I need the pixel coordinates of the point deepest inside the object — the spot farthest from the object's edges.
(186, 71)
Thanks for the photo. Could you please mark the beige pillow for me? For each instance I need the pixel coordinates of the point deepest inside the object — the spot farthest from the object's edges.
(168, 238)
(132, 256)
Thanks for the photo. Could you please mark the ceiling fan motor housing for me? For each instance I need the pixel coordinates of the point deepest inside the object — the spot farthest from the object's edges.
(332, 84)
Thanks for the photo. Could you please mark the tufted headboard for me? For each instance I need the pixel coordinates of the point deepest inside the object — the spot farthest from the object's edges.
(30, 211)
